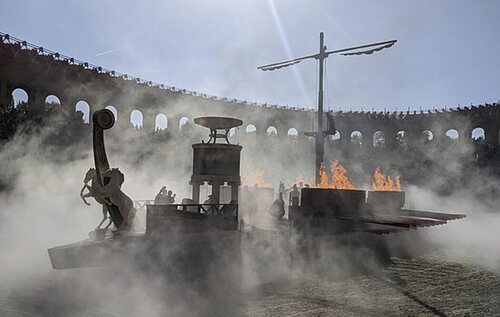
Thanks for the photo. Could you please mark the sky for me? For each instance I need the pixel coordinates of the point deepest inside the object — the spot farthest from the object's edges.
(447, 54)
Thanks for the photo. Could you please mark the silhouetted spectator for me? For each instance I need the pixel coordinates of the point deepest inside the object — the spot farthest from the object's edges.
(161, 197)
(294, 195)
(277, 209)
(169, 198)
(208, 205)
(281, 188)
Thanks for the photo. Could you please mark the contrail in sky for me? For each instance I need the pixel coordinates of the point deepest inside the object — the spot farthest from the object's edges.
(108, 52)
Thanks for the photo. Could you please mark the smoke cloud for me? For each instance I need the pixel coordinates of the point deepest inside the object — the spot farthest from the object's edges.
(41, 209)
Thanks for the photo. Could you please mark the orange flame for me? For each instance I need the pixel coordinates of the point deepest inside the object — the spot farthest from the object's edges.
(299, 179)
(245, 180)
(340, 180)
(385, 183)
(323, 178)
(259, 179)
(339, 176)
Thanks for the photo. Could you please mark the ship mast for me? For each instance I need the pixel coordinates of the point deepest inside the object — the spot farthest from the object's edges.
(320, 134)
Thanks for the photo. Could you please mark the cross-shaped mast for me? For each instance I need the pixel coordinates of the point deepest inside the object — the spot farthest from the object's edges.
(320, 134)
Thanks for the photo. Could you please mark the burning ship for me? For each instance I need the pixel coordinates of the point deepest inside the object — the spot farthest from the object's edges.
(198, 236)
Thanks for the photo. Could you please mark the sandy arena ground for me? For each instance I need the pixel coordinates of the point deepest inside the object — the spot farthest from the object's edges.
(424, 286)
(417, 287)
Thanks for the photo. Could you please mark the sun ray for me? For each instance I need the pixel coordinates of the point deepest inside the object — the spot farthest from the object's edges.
(307, 98)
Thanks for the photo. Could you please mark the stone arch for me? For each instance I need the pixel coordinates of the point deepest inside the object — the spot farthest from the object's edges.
(137, 119)
(478, 134)
(378, 139)
(427, 136)
(272, 131)
(19, 96)
(184, 122)
(84, 108)
(334, 137)
(113, 110)
(401, 138)
(52, 100)
(250, 129)
(292, 132)
(452, 134)
(357, 138)
(161, 122)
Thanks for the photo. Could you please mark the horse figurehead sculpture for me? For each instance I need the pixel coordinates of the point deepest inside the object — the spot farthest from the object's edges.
(103, 120)
(90, 177)
(113, 180)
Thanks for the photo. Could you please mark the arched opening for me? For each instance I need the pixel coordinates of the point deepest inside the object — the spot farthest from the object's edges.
(232, 132)
(401, 138)
(52, 100)
(427, 136)
(19, 97)
(379, 139)
(84, 108)
(161, 122)
(113, 110)
(292, 132)
(357, 139)
(452, 134)
(250, 129)
(478, 134)
(334, 137)
(272, 131)
(136, 119)
(183, 122)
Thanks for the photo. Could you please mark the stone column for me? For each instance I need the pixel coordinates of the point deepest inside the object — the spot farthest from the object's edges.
(412, 138)
(196, 191)
(390, 139)
(4, 96)
(215, 191)
(491, 135)
(68, 103)
(36, 100)
(464, 135)
(235, 187)
(234, 191)
(439, 136)
(149, 119)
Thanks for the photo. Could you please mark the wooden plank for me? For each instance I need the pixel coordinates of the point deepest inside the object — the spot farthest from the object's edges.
(430, 214)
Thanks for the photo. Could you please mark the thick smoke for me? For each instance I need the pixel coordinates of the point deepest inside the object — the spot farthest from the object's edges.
(41, 209)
